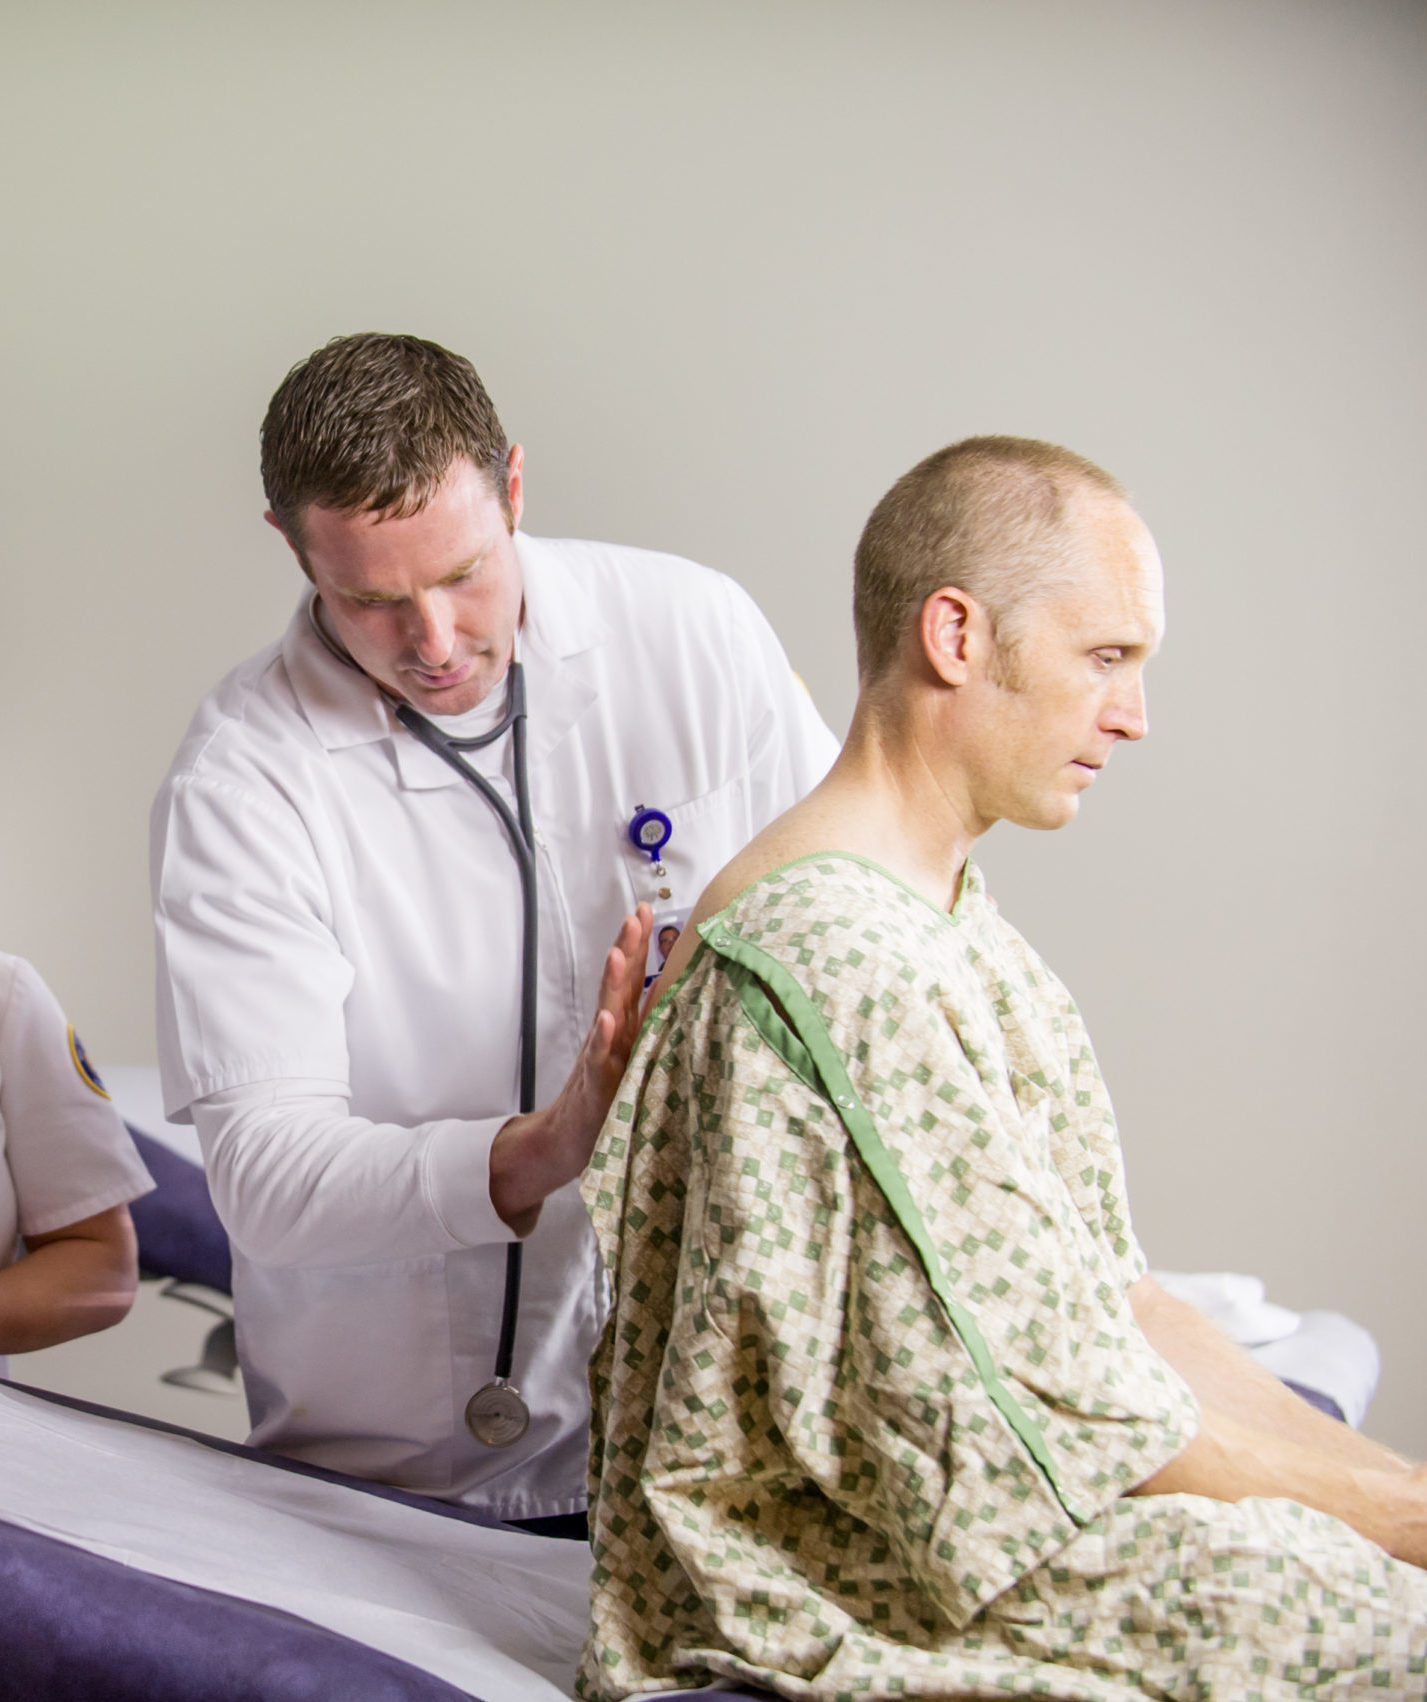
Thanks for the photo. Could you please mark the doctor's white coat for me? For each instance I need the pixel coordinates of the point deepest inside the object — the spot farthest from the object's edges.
(339, 943)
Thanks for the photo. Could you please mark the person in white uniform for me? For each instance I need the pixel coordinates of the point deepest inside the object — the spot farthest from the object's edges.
(68, 1169)
(339, 918)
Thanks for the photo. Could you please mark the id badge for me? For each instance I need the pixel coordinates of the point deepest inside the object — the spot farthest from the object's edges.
(668, 925)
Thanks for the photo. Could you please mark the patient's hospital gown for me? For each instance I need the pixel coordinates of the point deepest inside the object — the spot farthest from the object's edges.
(856, 1442)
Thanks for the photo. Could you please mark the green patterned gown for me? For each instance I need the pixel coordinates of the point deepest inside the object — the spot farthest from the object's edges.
(871, 1392)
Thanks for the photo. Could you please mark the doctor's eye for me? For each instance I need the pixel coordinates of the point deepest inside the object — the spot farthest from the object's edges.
(1108, 655)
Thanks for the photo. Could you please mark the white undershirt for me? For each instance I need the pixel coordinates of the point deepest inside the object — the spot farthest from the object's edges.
(496, 760)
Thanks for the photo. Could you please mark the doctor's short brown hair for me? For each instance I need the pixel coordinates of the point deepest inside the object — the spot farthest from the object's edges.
(988, 515)
(372, 422)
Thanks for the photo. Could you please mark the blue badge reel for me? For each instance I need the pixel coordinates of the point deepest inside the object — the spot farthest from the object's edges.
(650, 831)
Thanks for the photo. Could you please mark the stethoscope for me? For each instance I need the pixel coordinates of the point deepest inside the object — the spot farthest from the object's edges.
(497, 1414)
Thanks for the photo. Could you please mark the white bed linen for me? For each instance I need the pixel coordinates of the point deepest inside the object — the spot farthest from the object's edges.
(499, 1614)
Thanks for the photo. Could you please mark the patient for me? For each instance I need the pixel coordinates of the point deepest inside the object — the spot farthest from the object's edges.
(887, 1404)
(67, 1172)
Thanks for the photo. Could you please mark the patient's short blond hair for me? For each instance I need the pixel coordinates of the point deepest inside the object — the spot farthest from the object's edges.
(988, 515)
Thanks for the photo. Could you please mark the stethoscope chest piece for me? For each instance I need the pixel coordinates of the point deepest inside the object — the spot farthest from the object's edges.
(497, 1415)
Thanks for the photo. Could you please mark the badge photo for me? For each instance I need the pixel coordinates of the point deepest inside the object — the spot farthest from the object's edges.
(668, 925)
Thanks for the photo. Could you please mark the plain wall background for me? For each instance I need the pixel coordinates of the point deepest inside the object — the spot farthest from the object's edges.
(728, 270)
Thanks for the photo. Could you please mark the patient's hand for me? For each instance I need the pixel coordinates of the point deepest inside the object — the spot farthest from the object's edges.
(539, 1151)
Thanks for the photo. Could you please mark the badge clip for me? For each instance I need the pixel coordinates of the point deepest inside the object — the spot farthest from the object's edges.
(650, 831)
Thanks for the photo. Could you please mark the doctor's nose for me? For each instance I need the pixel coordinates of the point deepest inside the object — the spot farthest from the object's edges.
(431, 632)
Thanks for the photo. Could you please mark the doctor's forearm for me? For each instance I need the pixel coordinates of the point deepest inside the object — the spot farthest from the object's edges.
(298, 1180)
(533, 1155)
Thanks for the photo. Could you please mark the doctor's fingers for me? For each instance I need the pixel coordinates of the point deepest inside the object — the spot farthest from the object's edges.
(634, 933)
(597, 1073)
(610, 1038)
(620, 990)
(624, 982)
(617, 1017)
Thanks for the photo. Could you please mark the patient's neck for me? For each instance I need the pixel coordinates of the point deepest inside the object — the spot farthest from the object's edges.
(893, 796)
(882, 800)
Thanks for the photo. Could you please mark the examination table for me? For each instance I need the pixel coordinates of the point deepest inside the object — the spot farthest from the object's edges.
(140, 1562)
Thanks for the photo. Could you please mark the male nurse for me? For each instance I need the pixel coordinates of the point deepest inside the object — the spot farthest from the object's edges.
(340, 933)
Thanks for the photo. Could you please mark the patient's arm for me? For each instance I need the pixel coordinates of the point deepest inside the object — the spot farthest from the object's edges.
(1229, 1461)
(71, 1282)
(1259, 1438)
(1229, 1380)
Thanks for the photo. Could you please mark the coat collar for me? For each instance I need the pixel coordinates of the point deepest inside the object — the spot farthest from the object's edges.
(562, 633)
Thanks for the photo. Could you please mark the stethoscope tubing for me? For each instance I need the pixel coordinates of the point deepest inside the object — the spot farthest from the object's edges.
(520, 830)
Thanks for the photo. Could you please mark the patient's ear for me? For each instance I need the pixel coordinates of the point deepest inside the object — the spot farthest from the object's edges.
(948, 621)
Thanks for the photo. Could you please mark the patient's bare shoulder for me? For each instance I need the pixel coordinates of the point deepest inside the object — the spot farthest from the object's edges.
(733, 878)
(780, 842)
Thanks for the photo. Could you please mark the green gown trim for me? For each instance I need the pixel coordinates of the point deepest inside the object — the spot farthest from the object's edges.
(795, 1032)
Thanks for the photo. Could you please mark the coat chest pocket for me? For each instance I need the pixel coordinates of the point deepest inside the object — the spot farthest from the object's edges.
(706, 832)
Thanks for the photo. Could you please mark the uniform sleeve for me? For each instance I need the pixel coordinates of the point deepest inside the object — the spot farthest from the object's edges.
(298, 1180)
(790, 746)
(67, 1150)
(251, 977)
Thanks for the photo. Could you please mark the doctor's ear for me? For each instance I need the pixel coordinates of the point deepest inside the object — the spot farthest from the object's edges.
(513, 501)
(948, 617)
(277, 525)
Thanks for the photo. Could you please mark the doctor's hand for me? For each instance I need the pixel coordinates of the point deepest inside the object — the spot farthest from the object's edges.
(540, 1151)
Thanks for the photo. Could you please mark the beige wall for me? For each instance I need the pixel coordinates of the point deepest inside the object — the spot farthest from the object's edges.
(728, 269)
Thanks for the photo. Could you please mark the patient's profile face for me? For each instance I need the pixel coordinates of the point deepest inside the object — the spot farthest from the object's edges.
(1046, 716)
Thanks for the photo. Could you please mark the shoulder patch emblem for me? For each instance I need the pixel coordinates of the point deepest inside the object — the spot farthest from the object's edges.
(87, 1072)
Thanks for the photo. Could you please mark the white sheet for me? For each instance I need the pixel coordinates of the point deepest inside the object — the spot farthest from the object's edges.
(498, 1613)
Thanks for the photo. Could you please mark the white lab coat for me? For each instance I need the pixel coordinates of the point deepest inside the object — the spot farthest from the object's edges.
(339, 933)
